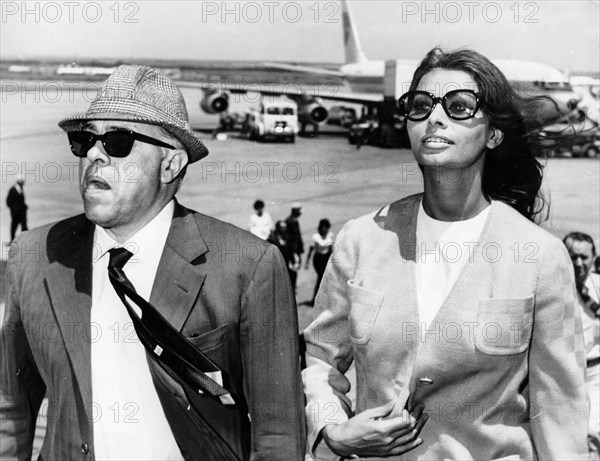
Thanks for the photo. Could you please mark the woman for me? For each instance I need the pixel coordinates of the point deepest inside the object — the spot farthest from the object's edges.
(322, 248)
(452, 302)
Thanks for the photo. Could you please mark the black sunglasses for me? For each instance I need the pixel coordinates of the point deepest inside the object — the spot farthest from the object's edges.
(458, 104)
(116, 143)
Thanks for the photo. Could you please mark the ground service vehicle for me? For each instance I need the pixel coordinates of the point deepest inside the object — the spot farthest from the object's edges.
(273, 119)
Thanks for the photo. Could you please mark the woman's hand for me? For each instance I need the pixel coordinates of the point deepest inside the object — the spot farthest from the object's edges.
(368, 434)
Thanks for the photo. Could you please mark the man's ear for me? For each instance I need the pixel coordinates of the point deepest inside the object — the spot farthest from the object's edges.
(496, 138)
(173, 163)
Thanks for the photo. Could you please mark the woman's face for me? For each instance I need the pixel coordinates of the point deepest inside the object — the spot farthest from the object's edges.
(444, 142)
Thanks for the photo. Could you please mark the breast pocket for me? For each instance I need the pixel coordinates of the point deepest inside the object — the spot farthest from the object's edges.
(504, 325)
(212, 343)
(364, 308)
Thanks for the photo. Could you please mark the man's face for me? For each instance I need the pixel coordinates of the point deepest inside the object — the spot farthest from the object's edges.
(582, 256)
(122, 194)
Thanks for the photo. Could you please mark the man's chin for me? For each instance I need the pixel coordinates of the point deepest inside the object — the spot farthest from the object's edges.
(101, 217)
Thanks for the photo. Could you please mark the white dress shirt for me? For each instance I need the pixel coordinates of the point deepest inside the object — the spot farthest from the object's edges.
(443, 249)
(129, 422)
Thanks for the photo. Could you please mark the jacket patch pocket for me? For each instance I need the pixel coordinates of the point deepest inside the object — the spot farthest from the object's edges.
(211, 339)
(364, 308)
(504, 325)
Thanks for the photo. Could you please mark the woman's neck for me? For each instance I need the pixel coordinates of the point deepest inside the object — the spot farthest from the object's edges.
(453, 195)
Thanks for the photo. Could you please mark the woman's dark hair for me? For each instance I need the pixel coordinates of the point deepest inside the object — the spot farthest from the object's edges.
(511, 172)
(259, 204)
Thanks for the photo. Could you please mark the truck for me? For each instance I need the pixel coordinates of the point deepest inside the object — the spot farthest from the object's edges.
(272, 120)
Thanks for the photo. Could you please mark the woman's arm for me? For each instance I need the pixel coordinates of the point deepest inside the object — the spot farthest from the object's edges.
(332, 427)
(558, 409)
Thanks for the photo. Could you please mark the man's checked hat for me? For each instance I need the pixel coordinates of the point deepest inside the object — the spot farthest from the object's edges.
(141, 94)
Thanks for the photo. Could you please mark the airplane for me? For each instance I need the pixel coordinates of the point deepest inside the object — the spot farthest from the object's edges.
(365, 81)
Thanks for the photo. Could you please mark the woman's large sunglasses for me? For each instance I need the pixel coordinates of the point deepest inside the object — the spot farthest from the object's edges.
(116, 143)
(458, 104)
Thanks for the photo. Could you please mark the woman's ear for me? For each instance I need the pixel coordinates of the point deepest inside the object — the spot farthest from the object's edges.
(496, 138)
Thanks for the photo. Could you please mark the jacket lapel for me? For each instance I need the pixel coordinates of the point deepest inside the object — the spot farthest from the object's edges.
(69, 285)
(178, 282)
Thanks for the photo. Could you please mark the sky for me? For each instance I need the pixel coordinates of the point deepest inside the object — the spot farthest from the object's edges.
(562, 33)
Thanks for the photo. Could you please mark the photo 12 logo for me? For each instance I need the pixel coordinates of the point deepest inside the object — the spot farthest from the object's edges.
(253, 12)
(70, 12)
(453, 12)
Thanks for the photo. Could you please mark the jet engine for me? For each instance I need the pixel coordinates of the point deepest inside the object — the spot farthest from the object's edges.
(312, 111)
(214, 102)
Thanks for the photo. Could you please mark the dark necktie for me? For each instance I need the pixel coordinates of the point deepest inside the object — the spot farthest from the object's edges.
(160, 338)
(587, 299)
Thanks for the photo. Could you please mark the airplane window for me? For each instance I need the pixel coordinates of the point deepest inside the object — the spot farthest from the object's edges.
(273, 110)
(288, 111)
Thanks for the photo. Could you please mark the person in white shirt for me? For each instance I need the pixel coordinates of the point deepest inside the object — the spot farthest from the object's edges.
(261, 223)
(322, 248)
(583, 252)
(204, 364)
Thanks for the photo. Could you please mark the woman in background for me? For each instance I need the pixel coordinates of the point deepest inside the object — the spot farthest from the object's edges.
(322, 247)
(456, 309)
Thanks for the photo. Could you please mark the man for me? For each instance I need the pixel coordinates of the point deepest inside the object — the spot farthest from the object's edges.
(296, 245)
(261, 223)
(73, 329)
(583, 252)
(18, 209)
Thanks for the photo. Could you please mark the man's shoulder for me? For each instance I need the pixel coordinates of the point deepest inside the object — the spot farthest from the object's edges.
(215, 230)
(48, 233)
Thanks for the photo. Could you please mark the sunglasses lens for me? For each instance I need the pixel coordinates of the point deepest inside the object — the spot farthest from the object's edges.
(80, 142)
(420, 106)
(461, 105)
(118, 143)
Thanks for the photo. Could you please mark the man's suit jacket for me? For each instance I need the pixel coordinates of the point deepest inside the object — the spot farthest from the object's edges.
(500, 369)
(223, 288)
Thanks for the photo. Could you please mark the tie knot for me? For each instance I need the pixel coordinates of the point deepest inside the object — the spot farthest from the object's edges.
(119, 257)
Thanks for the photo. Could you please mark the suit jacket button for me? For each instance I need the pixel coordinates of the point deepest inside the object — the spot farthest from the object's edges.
(84, 448)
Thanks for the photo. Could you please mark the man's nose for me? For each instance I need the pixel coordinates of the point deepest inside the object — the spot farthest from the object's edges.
(97, 154)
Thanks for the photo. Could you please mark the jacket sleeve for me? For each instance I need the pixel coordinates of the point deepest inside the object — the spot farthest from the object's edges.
(21, 387)
(558, 407)
(271, 360)
(329, 348)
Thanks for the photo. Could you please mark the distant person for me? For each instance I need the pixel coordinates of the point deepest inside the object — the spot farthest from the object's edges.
(322, 247)
(204, 372)
(261, 223)
(295, 237)
(583, 252)
(18, 208)
(281, 239)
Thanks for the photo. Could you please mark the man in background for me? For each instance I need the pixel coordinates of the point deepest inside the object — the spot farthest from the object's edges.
(296, 245)
(18, 208)
(583, 252)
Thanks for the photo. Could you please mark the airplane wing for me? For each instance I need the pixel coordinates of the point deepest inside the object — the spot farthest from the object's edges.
(304, 69)
(310, 98)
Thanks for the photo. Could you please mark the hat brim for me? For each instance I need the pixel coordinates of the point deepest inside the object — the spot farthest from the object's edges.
(194, 147)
